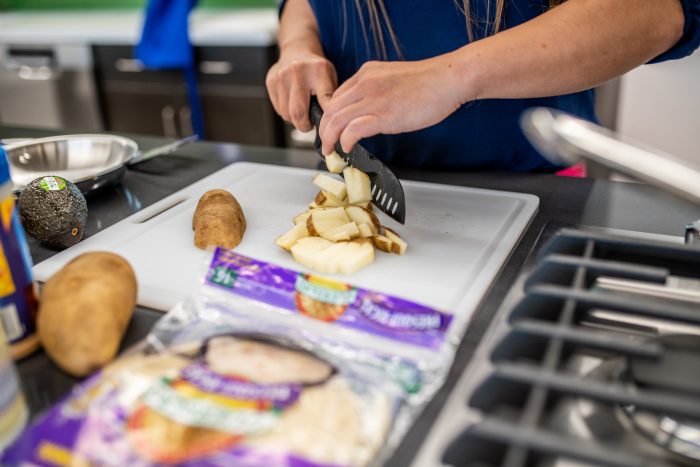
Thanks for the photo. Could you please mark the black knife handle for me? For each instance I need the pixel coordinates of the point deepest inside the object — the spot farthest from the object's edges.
(315, 114)
(315, 111)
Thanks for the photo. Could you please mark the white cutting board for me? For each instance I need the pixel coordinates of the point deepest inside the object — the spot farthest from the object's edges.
(458, 238)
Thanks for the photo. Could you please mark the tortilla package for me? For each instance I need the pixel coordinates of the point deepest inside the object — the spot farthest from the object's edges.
(227, 400)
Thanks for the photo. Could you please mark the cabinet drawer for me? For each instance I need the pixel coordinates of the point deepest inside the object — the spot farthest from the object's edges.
(117, 63)
(234, 65)
(147, 114)
(241, 119)
(216, 65)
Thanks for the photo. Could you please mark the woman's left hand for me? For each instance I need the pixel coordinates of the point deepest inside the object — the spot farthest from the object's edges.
(391, 98)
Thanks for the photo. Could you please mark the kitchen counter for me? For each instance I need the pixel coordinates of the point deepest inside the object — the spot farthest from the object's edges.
(563, 202)
(245, 27)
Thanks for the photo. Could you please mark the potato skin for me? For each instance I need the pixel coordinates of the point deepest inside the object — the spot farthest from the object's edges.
(84, 311)
(218, 221)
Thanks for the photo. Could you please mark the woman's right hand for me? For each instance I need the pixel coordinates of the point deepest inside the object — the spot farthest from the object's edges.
(294, 79)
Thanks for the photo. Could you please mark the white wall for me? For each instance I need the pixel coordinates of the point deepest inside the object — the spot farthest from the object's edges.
(660, 105)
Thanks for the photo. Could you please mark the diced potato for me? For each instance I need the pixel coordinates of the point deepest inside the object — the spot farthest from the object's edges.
(328, 261)
(326, 199)
(356, 256)
(361, 215)
(306, 250)
(365, 230)
(316, 227)
(358, 186)
(398, 246)
(331, 185)
(382, 243)
(362, 241)
(287, 240)
(301, 218)
(384, 229)
(335, 163)
(341, 233)
(330, 213)
(327, 219)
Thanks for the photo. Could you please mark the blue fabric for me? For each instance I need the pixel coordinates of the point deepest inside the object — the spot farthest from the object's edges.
(483, 134)
(4, 166)
(165, 44)
(690, 40)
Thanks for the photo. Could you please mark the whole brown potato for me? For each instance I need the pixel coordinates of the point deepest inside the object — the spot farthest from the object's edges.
(218, 221)
(84, 311)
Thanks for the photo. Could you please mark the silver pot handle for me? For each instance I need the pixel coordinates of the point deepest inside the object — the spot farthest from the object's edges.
(161, 150)
(565, 139)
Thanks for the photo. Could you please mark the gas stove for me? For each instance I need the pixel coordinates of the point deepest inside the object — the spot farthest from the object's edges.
(593, 360)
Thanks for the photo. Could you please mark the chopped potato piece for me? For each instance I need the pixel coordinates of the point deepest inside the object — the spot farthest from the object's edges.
(335, 163)
(356, 256)
(398, 246)
(344, 232)
(361, 215)
(331, 185)
(382, 243)
(287, 240)
(323, 220)
(339, 232)
(301, 218)
(330, 213)
(326, 199)
(362, 241)
(306, 250)
(332, 258)
(358, 186)
(328, 261)
(365, 230)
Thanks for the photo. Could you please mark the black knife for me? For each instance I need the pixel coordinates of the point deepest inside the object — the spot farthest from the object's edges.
(387, 192)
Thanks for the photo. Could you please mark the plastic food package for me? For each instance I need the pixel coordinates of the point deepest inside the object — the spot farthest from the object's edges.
(210, 393)
(265, 367)
(237, 285)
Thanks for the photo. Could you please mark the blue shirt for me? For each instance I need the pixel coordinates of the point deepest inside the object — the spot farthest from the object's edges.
(483, 134)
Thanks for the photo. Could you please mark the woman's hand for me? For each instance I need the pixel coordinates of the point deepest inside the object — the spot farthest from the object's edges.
(392, 97)
(294, 79)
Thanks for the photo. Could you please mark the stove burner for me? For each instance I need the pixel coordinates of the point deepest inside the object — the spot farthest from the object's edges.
(676, 369)
(676, 436)
(639, 430)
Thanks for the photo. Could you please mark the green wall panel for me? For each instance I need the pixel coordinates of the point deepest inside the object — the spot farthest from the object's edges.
(111, 4)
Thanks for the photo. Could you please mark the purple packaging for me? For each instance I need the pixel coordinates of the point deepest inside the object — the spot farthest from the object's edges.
(190, 407)
(328, 300)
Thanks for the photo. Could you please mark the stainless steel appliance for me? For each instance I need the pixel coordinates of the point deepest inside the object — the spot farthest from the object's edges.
(594, 357)
(49, 86)
(593, 360)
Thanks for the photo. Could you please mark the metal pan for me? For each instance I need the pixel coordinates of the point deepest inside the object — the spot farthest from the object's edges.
(91, 161)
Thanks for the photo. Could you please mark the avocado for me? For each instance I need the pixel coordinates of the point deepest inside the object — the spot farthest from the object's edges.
(54, 211)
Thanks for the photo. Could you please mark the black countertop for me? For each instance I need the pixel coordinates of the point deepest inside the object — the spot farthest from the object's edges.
(563, 201)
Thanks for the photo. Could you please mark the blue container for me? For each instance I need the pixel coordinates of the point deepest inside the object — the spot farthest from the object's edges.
(18, 302)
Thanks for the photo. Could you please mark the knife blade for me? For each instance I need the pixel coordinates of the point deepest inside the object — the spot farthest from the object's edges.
(387, 192)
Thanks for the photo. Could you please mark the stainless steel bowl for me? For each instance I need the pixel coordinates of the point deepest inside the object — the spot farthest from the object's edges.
(90, 161)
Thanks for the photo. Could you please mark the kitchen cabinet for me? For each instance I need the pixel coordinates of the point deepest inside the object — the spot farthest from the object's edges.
(231, 81)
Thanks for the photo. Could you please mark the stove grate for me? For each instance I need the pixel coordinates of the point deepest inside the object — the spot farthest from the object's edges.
(571, 342)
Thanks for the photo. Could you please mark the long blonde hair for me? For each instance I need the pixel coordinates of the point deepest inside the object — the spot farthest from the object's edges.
(379, 20)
